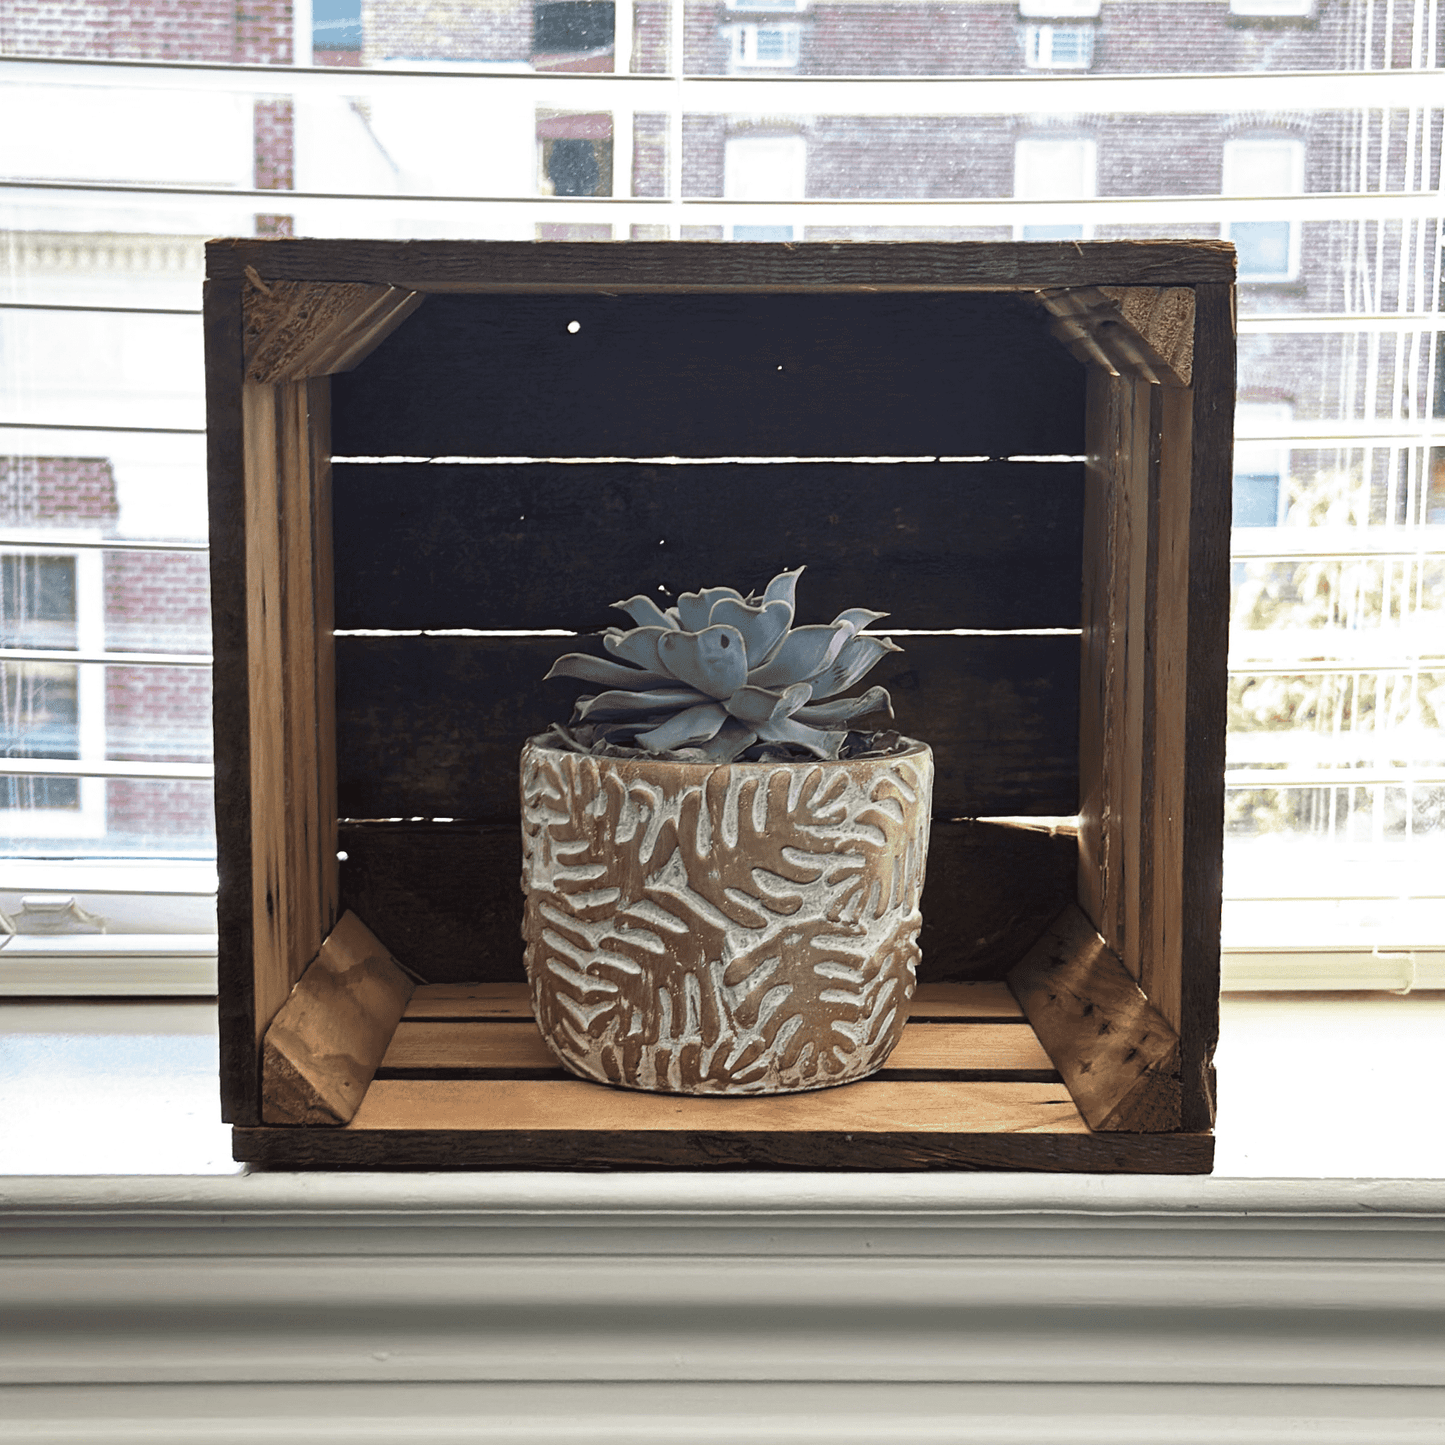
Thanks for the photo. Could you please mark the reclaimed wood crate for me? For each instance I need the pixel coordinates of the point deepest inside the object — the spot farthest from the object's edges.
(426, 456)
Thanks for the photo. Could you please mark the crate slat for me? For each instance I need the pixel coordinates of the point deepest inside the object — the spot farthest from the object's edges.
(428, 726)
(987, 545)
(444, 896)
(870, 1107)
(467, 1044)
(496, 266)
(722, 375)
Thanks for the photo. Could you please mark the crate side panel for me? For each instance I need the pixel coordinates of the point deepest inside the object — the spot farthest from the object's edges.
(240, 1098)
(715, 375)
(1212, 423)
(431, 727)
(992, 545)
(446, 899)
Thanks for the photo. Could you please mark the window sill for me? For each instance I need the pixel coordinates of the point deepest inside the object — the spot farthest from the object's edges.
(718, 1308)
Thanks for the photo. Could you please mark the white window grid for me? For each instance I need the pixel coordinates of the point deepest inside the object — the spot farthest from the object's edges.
(1273, 9)
(772, 46)
(87, 820)
(1395, 235)
(1058, 47)
(1058, 9)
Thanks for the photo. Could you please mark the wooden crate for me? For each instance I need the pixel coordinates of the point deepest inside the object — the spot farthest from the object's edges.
(418, 463)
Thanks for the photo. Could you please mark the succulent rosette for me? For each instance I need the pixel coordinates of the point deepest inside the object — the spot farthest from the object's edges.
(720, 673)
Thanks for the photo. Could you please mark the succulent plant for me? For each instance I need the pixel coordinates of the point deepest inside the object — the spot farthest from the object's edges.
(720, 673)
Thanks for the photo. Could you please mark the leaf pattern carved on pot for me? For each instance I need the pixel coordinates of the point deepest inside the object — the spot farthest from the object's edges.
(739, 928)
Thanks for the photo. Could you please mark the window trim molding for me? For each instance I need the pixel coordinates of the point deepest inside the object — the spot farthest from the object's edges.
(778, 1306)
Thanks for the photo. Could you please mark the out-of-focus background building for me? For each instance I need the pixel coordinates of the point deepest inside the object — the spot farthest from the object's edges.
(1308, 132)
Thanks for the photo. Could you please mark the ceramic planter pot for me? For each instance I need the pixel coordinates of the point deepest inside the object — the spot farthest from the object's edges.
(736, 928)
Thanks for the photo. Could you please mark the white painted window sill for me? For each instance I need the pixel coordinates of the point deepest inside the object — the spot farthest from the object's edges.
(214, 1307)
(1322, 1086)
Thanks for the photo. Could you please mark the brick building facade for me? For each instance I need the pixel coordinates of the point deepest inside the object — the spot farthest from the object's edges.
(156, 602)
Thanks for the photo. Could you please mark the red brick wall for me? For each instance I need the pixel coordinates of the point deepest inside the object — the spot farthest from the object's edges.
(65, 491)
(252, 31)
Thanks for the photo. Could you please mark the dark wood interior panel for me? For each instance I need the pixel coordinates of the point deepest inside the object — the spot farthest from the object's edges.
(446, 898)
(715, 375)
(431, 727)
(992, 545)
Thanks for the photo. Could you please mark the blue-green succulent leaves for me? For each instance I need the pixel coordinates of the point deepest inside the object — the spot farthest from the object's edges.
(720, 672)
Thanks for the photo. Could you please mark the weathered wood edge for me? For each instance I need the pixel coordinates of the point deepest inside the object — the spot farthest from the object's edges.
(225, 370)
(1137, 331)
(300, 330)
(323, 1047)
(696, 265)
(291, 1148)
(1116, 1053)
(1206, 692)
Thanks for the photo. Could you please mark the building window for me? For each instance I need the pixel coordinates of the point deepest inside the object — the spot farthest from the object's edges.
(50, 709)
(773, 47)
(1058, 47)
(571, 26)
(1049, 168)
(1268, 249)
(764, 168)
(772, 7)
(1261, 467)
(760, 233)
(575, 152)
(575, 35)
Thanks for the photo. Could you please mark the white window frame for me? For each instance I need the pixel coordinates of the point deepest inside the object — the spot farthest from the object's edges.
(743, 45)
(1030, 186)
(1236, 149)
(768, 7)
(1058, 9)
(88, 820)
(1273, 9)
(1042, 49)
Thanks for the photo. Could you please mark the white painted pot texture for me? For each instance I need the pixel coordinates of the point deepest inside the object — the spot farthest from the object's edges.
(737, 928)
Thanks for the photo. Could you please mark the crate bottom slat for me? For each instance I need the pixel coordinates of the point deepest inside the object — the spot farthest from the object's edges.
(467, 1083)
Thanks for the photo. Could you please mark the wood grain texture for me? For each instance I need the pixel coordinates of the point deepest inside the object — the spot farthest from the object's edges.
(296, 330)
(275, 969)
(867, 1107)
(1116, 1052)
(1163, 318)
(724, 375)
(442, 1002)
(1134, 651)
(289, 691)
(1141, 332)
(1212, 418)
(432, 726)
(703, 1150)
(989, 999)
(318, 404)
(225, 468)
(438, 266)
(1163, 957)
(323, 1047)
(446, 899)
(462, 1048)
(989, 545)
